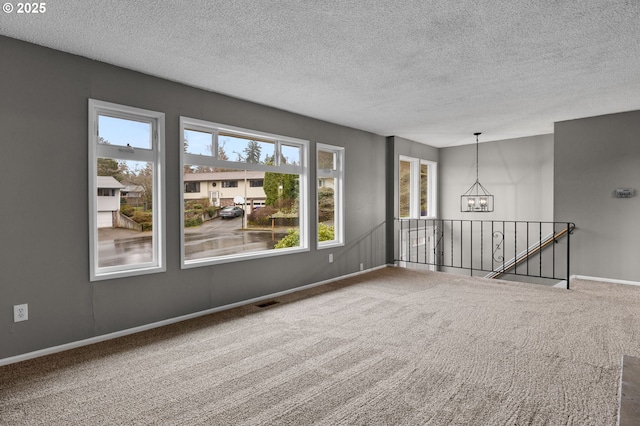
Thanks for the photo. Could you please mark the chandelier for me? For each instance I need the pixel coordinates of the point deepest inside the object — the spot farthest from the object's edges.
(477, 199)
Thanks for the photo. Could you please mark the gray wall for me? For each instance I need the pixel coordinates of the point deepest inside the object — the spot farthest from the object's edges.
(517, 172)
(44, 258)
(593, 157)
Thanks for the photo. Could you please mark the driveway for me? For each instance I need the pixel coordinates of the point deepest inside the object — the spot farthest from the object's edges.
(216, 237)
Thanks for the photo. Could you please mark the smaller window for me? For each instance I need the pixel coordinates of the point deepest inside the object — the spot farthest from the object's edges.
(132, 132)
(416, 188)
(246, 149)
(191, 187)
(290, 154)
(229, 183)
(256, 183)
(406, 187)
(126, 153)
(330, 160)
(197, 142)
(428, 185)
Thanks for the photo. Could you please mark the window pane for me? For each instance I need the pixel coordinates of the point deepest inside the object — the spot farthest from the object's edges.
(405, 188)
(290, 154)
(124, 212)
(283, 198)
(326, 160)
(245, 149)
(251, 207)
(217, 222)
(191, 187)
(424, 190)
(326, 209)
(124, 132)
(199, 143)
(329, 193)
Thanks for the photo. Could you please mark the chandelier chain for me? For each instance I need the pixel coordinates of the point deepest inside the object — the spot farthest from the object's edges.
(477, 177)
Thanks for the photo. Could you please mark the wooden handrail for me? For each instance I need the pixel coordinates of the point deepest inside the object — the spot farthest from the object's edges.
(534, 249)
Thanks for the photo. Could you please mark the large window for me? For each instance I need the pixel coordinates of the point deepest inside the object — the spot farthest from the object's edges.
(330, 167)
(126, 151)
(253, 193)
(417, 188)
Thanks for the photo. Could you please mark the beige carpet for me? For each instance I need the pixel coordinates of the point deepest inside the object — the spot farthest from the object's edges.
(389, 347)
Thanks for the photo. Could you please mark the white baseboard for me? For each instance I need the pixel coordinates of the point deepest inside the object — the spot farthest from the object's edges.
(605, 280)
(121, 333)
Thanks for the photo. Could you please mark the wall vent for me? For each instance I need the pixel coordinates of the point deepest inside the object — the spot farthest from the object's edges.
(267, 303)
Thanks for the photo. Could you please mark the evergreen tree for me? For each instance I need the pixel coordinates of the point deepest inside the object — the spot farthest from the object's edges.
(252, 152)
(281, 190)
(111, 167)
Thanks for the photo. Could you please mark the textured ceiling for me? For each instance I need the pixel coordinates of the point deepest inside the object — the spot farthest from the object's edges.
(431, 71)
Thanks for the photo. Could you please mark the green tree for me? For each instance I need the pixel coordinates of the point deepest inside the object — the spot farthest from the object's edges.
(326, 204)
(281, 190)
(111, 167)
(252, 152)
(187, 167)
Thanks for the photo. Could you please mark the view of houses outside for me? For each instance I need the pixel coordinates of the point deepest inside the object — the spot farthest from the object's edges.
(269, 201)
(124, 212)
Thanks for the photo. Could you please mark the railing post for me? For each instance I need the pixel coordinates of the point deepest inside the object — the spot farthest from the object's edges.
(553, 256)
(400, 240)
(540, 248)
(568, 254)
(471, 251)
(528, 245)
(481, 245)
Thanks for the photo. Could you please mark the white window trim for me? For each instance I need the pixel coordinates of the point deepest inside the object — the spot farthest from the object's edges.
(338, 175)
(156, 155)
(414, 187)
(432, 193)
(211, 161)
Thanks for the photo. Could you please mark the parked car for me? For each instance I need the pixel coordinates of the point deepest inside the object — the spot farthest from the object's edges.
(231, 211)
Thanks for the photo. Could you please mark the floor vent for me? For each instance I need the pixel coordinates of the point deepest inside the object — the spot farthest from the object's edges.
(268, 303)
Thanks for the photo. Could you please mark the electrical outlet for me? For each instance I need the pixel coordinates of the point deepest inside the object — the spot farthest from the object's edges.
(330, 257)
(20, 312)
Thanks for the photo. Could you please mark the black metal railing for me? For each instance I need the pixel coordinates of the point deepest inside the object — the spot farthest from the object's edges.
(531, 249)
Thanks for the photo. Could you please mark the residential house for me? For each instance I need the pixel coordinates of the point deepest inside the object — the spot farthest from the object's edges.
(222, 188)
(132, 194)
(108, 204)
